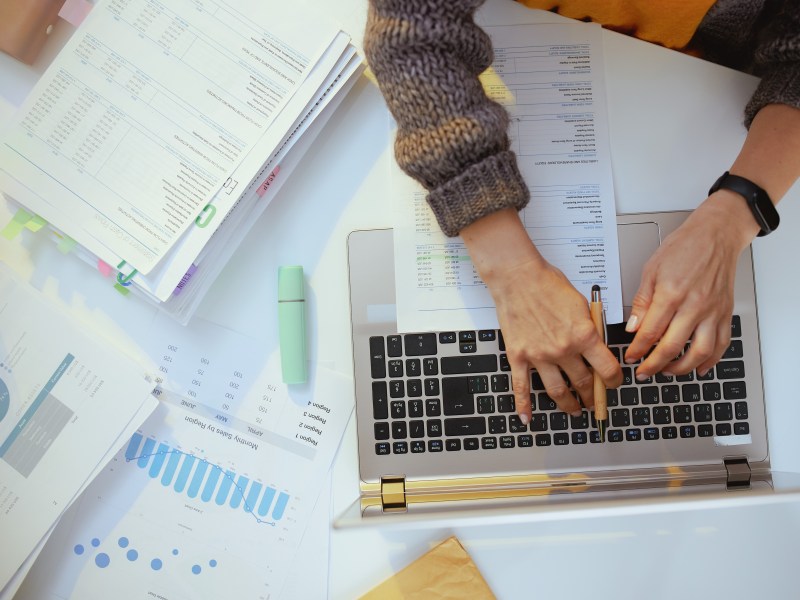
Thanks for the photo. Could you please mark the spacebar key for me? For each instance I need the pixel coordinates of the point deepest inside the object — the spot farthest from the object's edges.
(465, 426)
(476, 363)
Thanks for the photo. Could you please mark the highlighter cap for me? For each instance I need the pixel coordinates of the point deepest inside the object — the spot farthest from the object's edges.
(291, 283)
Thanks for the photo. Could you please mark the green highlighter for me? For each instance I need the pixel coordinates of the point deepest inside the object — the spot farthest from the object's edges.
(292, 324)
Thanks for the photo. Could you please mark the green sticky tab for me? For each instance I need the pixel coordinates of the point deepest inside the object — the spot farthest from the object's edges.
(35, 223)
(66, 245)
(17, 223)
(122, 289)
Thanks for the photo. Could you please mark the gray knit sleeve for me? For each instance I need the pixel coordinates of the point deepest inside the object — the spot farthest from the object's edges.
(426, 56)
(777, 61)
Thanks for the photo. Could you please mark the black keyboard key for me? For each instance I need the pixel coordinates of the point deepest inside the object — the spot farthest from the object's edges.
(685, 377)
(579, 437)
(682, 413)
(581, 422)
(377, 357)
(433, 407)
(468, 347)
(702, 413)
(380, 400)
(723, 411)
(525, 441)
(413, 367)
(457, 399)
(662, 415)
(559, 421)
(615, 435)
(734, 390)
(561, 439)
(539, 422)
(487, 335)
(434, 427)
(382, 431)
(633, 435)
(400, 447)
(670, 394)
(501, 343)
(383, 448)
(462, 365)
(394, 345)
(471, 444)
(397, 388)
(735, 350)
(504, 366)
(723, 429)
(661, 378)
(641, 416)
(627, 376)
(690, 392)
(414, 388)
(420, 344)
(416, 428)
(399, 430)
(687, 431)
(536, 381)
(736, 326)
(629, 396)
(651, 433)
(452, 445)
(545, 402)
(395, 368)
(398, 409)
(730, 369)
(650, 395)
(620, 417)
(417, 446)
(467, 336)
(617, 336)
(465, 426)
(711, 391)
(507, 441)
(741, 410)
(447, 337)
(707, 377)
(500, 383)
(497, 424)
(515, 425)
(705, 430)
(741, 428)
(612, 397)
(505, 403)
(488, 443)
(431, 387)
(485, 404)
(430, 366)
(669, 433)
(543, 439)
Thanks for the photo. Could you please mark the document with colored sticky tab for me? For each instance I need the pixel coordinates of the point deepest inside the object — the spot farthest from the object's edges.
(156, 135)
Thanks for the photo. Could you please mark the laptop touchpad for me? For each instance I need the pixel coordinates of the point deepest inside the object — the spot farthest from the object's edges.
(637, 242)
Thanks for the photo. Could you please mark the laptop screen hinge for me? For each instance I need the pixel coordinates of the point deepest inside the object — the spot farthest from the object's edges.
(738, 473)
(393, 493)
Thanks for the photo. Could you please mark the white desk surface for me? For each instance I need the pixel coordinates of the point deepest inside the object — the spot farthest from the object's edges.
(674, 124)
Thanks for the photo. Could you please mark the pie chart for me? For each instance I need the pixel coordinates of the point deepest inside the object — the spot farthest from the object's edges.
(5, 400)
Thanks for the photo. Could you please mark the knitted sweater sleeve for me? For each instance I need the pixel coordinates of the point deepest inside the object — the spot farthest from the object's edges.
(777, 61)
(426, 56)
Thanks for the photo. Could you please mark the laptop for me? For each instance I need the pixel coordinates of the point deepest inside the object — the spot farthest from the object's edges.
(438, 435)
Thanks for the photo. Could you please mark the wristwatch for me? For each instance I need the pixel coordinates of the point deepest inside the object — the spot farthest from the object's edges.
(758, 200)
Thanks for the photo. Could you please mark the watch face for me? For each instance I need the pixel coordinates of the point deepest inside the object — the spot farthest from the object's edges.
(757, 199)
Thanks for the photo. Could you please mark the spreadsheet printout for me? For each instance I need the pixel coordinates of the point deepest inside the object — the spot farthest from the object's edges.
(147, 112)
(550, 78)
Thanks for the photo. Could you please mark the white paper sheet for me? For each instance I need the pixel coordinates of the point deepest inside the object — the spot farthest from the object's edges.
(551, 80)
(148, 111)
(211, 497)
(64, 400)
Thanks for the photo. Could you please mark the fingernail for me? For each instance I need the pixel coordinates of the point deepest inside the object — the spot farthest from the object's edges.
(524, 418)
(641, 377)
(576, 413)
(630, 326)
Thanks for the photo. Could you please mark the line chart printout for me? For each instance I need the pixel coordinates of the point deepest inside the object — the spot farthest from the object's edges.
(210, 498)
(147, 112)
(550, 78)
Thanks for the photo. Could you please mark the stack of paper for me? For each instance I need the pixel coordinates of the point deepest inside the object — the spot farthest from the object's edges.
(162, 130)
(67, 404)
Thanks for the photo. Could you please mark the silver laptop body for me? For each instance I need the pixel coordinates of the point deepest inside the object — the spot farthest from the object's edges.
(713, 438)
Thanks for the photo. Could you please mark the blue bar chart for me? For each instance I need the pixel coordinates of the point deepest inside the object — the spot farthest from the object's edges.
(200, 479)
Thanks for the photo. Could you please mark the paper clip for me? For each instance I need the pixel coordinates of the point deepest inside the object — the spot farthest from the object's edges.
(204, 218)
(126, 279)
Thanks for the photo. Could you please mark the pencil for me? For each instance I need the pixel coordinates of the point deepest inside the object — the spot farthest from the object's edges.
(600, 406)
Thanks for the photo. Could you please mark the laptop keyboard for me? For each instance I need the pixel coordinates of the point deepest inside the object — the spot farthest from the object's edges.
(451, 391)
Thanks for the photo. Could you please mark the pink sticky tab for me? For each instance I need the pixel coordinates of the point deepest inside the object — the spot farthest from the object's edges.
(104, 268)
(75, 11)
(262, 189)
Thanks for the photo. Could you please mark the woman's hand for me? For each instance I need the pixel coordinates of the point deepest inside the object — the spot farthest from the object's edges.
(545, 321)
(686, 290)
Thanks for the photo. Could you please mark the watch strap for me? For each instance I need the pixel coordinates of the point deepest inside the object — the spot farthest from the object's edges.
(759, 202)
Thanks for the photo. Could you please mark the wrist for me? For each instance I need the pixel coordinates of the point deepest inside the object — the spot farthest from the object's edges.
(729, 211)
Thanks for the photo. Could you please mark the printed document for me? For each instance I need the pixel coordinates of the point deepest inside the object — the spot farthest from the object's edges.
(147, 113)
(64, 401)
(551, 80)
(212, 495)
